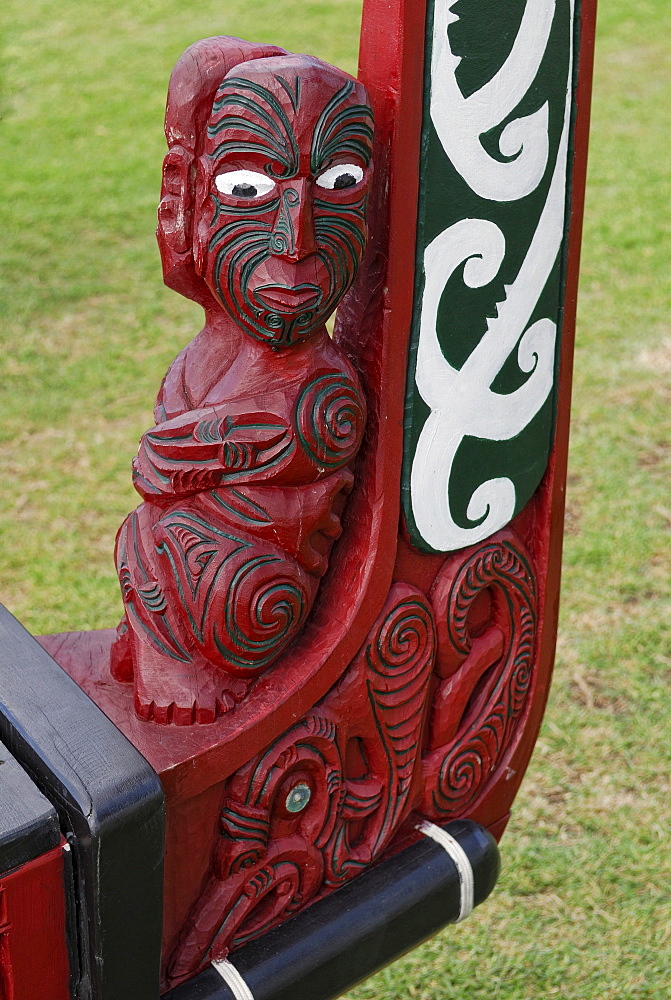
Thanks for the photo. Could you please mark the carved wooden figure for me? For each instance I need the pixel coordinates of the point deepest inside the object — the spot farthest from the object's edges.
(341, 587)
(259, 420)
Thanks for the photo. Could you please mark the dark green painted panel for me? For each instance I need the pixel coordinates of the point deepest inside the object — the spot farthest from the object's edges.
(473, 217)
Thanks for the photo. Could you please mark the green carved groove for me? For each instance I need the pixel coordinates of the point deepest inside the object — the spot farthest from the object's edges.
(269, 647)
(239, 826)
(251, 512)
(253, 210)
(279, 143)
(204, 532)
(329, 420)
(283, 239)
(344, 132)
(294, 93)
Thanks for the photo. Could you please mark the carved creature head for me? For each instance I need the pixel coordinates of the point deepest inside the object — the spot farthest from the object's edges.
(274, 223)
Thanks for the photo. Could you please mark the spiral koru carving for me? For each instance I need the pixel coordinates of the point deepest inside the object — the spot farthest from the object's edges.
(395, 666)
(400, 661)
(330, 417)
(490, 689)
(264, 610)
(242, 602)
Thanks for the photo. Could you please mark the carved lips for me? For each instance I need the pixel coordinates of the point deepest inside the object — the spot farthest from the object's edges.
(281, 298)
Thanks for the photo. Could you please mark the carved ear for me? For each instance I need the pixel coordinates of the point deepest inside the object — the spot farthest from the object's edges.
(175, 210)
(175, 226)
(200, 231)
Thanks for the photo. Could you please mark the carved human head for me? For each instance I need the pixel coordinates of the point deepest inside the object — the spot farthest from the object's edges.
(274, 223)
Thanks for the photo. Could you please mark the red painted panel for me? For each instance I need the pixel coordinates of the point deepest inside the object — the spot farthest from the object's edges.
(33, 949)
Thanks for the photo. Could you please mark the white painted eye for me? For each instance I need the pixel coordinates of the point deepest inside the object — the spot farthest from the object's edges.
(244, 184)
(344, 175)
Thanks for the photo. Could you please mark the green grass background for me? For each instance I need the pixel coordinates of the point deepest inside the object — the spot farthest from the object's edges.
(582, 909)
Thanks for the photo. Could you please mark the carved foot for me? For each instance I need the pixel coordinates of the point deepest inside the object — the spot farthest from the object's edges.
(181, 694)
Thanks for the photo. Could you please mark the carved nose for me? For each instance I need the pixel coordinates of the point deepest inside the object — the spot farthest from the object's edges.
(293, 235)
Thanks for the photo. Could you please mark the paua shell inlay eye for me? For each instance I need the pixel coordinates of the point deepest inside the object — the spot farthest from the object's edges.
(298, 798)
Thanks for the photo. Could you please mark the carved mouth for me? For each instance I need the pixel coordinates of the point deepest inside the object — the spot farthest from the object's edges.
(283, 299)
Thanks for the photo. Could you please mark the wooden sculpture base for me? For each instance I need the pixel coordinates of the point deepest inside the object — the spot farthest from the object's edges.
(193, 764)
(468, 703)
(230, 847)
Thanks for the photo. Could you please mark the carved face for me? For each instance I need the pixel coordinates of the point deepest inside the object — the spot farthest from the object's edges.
(284, 185)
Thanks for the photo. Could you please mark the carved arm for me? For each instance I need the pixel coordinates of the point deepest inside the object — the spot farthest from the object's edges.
(203, 448)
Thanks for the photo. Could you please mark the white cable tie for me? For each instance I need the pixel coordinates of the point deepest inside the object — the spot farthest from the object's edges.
(461, 861)
(233, 979)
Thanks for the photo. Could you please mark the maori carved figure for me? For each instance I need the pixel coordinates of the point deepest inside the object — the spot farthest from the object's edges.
(485, 605)
(325, 799)
(258, 421)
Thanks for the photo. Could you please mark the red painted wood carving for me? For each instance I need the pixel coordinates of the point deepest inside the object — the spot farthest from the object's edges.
(325, 799)
(485, 604)
(259, 419)
(5, 967)
(341, 588)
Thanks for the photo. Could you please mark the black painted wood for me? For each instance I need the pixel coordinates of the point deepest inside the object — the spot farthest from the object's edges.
(28, 821)
(110, 804)
(368, 923)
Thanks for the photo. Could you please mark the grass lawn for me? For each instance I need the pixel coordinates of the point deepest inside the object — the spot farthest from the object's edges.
(583, 909)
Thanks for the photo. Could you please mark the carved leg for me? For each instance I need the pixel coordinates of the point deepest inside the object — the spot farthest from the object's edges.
(178, 692)
(207, 609)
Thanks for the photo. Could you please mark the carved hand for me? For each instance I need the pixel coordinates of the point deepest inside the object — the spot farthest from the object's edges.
(199, 449)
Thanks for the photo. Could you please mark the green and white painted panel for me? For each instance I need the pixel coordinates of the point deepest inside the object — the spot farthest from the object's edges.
(492, 235)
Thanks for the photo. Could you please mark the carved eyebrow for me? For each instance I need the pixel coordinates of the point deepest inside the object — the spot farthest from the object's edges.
(272, 132)
(342, 131)
(295, 94)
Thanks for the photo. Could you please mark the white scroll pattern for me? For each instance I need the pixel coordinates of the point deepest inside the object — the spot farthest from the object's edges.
(461, 401)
